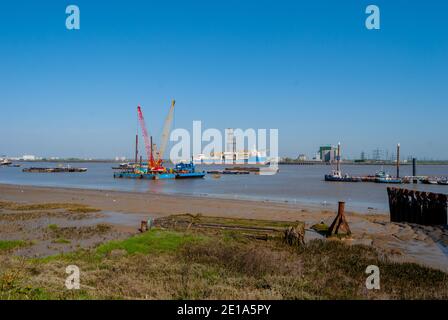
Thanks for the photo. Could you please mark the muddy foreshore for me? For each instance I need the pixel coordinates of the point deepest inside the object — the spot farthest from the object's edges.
(123, 211)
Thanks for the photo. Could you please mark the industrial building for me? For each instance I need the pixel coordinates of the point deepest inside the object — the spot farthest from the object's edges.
(328, 153)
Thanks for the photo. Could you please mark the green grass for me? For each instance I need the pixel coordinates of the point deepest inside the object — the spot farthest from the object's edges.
(321, 228)
(199, 264)
(71, 207)
(153, 241)
(53, 227)
(6, 245)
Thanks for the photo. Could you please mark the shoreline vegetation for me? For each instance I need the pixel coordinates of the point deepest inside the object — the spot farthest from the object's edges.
(203, 249)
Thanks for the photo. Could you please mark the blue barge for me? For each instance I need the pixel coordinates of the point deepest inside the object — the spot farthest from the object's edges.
(180, 171)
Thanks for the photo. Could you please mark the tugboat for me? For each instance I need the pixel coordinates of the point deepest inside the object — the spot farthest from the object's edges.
(187, 170)
(383, 177)
(336, 175)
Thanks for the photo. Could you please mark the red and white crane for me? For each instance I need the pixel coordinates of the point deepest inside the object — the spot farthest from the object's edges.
(155, 163)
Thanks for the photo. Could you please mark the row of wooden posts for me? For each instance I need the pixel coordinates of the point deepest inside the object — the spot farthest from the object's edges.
(426, 208)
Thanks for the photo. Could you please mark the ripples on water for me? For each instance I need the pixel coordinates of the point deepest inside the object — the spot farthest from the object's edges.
(293, 184)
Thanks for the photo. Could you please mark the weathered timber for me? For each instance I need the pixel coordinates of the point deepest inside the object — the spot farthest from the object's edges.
(426, 208)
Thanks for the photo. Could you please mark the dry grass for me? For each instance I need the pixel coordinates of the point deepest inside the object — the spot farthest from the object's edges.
(70, 207)
(198, 264)
(56, 232)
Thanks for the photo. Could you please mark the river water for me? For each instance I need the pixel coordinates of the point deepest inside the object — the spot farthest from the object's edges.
(292, 184)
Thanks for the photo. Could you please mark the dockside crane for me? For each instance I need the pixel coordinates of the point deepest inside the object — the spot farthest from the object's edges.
(165, 133)
(146, 138)
(156, 163)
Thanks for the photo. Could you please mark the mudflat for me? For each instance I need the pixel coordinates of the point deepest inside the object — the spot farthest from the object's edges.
(401, 242)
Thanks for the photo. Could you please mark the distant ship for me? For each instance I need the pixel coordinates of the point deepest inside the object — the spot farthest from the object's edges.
(5, 162)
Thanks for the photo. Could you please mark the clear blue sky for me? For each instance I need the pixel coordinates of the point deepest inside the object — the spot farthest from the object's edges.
(309, 68)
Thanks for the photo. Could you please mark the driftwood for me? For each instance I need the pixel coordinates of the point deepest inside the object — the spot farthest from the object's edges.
(419, 207)
(295, 236)
(339, 225)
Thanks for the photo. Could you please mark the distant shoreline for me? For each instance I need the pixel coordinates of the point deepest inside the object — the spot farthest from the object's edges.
(293, 162)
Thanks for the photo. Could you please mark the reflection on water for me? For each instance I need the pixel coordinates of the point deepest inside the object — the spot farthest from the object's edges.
(293, 184)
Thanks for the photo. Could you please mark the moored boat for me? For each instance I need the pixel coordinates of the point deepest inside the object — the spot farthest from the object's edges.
(5, 162)
(383, 177)
(429, 181)
(67, 169)
(337, 176)
(124, 166)
(187, 170)
(389, 180)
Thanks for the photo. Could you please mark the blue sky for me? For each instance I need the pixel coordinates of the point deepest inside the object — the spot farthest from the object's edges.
(309, 68)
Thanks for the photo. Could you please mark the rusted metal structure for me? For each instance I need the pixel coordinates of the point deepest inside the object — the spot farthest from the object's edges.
(340, 225)
(419, 207)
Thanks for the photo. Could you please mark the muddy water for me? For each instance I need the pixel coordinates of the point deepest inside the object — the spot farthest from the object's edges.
(293, 184)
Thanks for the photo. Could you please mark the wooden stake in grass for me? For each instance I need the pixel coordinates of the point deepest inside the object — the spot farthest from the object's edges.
(143, 226)
(339, 225)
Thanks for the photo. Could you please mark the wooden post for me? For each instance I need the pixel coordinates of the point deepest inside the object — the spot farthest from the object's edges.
(143, 226)
(414, 170)
(419, 207)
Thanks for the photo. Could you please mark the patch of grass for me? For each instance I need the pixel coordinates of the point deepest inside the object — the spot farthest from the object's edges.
(14, 286)
(70, 207)
(153, 241)
(321, 228)
(81, 232)
(6, 245)
(53, 227)
(83, 210)
(331, 263)
(253, 260)
(218, 264)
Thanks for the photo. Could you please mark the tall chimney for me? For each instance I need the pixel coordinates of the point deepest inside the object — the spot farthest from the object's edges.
(338, 158)
(398, 160)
